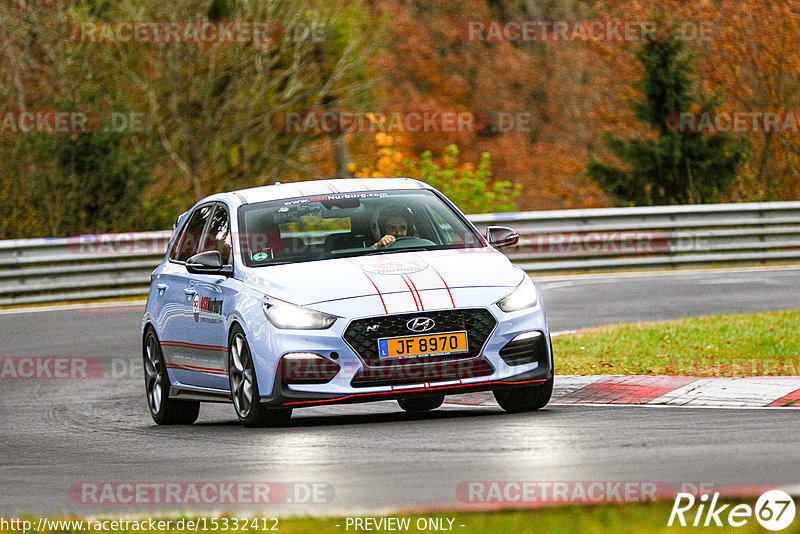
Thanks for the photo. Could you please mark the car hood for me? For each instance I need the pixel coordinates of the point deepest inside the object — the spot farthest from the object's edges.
(426, 274)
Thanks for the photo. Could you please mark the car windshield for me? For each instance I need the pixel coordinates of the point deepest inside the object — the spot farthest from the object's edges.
(349, 224)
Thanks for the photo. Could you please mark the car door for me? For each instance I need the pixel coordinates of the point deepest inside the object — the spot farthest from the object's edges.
(181, 297)
(166, 301)
(206, 330)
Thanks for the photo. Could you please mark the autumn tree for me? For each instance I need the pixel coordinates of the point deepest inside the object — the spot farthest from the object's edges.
(469, 186)
(755, 61)
(65, 183)
(430, 63)
(674, 167)
(215, 106)
(209, 107)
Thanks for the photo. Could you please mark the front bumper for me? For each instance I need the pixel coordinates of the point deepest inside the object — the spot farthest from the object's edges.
(284, 397)
(484, 370)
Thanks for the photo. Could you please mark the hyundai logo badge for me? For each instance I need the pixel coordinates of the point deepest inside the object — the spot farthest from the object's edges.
(420, 324)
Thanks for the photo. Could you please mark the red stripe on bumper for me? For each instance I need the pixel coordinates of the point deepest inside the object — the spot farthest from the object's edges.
(354, 395)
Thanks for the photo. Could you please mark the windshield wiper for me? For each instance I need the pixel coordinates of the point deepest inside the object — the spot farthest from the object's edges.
(270, 264)
(406, 249)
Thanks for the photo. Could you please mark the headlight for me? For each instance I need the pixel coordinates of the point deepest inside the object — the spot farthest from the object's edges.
(524, 296)
(285, 315)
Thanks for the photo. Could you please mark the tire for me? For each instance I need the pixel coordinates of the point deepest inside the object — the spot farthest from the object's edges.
(524, 398)
(244, 386)
(420, 404)
(165, 411)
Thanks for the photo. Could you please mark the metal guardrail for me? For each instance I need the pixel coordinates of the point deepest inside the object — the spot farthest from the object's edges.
(653, 237)
(82, 267)
(607, 239)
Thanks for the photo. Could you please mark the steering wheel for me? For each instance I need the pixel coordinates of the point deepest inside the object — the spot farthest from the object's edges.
(410, 241)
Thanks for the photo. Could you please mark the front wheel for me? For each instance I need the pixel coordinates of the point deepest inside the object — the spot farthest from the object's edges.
(420, 404)
(165, 411)
(524, 398)
(244, 387)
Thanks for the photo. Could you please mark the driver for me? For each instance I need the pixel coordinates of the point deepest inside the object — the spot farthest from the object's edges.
(393, 223)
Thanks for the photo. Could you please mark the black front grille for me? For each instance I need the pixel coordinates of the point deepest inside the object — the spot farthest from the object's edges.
(396, 375)
(478, 324)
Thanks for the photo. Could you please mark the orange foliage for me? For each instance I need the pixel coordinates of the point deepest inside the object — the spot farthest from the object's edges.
(744, 53)
(430, 66)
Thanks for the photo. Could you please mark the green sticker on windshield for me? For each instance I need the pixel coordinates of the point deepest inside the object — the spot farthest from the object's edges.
(260, 256)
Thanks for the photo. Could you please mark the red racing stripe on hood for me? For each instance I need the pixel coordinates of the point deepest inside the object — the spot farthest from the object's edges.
(385, 310)
(371, 281)
(417, 290)
(406, 280)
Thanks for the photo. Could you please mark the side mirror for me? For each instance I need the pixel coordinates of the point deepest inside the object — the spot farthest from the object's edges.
(501, 237)
(208, 263)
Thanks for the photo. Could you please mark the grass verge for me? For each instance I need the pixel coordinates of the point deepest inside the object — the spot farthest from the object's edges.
(760, 344)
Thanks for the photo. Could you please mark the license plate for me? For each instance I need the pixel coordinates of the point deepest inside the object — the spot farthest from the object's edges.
(429, 345)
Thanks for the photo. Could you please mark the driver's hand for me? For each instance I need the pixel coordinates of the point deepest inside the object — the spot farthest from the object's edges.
(384, 242)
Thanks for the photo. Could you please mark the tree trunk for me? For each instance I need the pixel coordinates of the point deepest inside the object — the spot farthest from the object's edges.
(341, 152)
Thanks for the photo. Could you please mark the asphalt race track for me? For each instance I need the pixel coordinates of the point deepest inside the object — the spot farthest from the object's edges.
(592, 300)
(56, 434)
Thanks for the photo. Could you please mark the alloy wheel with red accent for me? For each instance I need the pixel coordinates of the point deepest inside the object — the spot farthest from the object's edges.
(244, 386)
(165, 411)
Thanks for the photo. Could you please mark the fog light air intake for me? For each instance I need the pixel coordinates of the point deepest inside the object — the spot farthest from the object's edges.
(306, 368)
(525, 348)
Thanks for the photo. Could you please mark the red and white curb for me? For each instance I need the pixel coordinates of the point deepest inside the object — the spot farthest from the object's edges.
(760, 391)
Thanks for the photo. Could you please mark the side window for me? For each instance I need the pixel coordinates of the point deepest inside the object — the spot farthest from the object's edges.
(218, 236)
(189, 240)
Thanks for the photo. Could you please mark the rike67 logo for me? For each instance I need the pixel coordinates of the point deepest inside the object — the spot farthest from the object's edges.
(774, 510)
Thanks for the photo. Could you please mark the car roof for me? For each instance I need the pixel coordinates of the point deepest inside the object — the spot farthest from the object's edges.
(324, 187)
